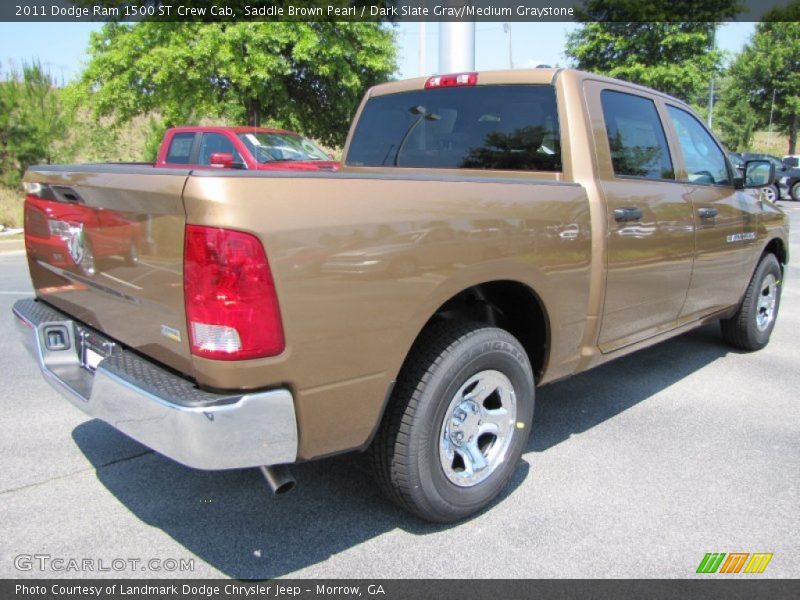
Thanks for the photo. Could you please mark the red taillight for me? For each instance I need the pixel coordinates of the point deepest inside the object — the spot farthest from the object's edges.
(231, 303)
(452, 80)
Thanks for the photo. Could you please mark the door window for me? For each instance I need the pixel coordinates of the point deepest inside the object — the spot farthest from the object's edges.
(635, 136)
(213, 143)
(180, 149)
(705, 161)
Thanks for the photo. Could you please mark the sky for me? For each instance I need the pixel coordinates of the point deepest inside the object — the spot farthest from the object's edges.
(62, 46)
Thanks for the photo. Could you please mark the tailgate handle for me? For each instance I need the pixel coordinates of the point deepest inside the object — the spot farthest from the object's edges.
(707, 213)
(629, 213)
(66, 193)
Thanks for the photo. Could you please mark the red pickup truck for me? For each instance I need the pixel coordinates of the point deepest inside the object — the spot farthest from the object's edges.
(56, 221)
(251, 148)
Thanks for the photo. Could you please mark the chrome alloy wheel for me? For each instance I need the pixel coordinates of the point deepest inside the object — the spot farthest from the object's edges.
(767, 298)
(478, 428)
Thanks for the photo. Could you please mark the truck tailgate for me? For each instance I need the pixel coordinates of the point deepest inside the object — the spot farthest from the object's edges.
(105, 245)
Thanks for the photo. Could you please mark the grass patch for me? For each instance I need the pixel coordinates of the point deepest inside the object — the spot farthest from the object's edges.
(11, 201)
(773, 143)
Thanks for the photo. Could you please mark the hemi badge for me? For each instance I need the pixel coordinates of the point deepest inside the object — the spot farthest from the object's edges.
(171, 333)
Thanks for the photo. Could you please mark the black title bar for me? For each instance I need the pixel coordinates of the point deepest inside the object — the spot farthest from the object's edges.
(394, 589)
(376, 10)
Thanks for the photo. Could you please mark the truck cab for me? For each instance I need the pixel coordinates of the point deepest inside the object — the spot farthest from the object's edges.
(253, 148)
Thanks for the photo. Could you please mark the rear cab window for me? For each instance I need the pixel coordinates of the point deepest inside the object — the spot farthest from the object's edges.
(501, 127)
(180, 149)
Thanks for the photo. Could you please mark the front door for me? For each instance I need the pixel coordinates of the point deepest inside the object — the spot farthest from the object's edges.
(650, 240)
(726, 219)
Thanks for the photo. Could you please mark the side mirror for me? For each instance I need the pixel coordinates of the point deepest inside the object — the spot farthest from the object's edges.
(758, 173)
(222, 160)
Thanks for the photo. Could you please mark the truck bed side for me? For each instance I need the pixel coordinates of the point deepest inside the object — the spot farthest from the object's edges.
(360, 263)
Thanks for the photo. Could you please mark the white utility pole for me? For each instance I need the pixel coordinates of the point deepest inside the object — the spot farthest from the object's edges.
(711, 90)
(771, 109)
(422, 65)
(507, 29)
(456, 47)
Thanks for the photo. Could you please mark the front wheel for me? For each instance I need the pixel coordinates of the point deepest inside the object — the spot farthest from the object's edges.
(772, 193)
(752, 325)
(458, 422)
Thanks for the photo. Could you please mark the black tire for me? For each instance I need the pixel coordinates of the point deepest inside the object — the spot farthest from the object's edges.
(743, 329)
(405, 454)
(794, 191)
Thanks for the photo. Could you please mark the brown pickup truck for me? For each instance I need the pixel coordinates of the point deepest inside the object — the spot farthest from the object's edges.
(488, 233)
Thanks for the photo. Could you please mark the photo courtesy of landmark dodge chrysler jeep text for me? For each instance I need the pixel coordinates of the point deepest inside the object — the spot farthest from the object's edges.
(487, 233)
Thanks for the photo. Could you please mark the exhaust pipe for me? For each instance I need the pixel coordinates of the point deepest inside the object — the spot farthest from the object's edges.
(279, 478)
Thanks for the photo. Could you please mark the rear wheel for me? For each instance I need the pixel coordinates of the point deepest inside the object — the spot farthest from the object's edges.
(458, 422)
(750, 328)
(794, 191)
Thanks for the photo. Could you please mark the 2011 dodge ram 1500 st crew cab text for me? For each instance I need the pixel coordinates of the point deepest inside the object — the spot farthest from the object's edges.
(488, 232)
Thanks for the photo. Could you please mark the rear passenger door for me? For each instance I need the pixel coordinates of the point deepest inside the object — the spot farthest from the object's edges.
(726, 219)
(650, 237)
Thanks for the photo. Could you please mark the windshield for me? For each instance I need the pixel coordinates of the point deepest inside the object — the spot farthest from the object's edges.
(271, 147)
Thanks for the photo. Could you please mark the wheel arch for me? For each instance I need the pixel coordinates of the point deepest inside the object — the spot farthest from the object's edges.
(506, 303)
(778, 248)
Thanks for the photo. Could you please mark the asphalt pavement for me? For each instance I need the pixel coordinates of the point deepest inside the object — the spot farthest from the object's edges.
(635, 469)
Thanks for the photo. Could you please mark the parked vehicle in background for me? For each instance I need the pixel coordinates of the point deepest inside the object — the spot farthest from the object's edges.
(62, 231)
(771, 192)
(488, 233)
(788, 182)
(254, 148)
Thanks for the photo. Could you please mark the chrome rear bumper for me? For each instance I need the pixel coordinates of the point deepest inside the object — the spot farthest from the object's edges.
(154, 405)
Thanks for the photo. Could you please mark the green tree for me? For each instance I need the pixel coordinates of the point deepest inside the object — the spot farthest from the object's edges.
(735, 121)
(769, 67)
(307, 76)
(34, 122)
(42, 108)
(11, 131)
(638, 42)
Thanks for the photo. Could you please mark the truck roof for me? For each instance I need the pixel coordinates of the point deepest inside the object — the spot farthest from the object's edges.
(546, 76)
(234, 129)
